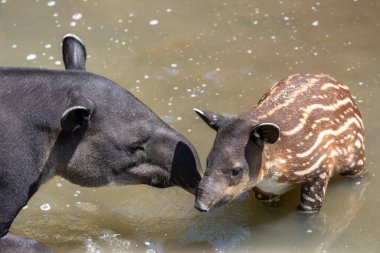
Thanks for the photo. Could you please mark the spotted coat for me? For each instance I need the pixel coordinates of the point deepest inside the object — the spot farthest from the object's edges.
(315, 130)
(321, 134)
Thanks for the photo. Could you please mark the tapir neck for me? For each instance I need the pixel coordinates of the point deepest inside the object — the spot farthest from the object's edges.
(34, 105)
(39, 99)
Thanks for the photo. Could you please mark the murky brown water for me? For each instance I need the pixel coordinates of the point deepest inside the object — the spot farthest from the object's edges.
(218, 55)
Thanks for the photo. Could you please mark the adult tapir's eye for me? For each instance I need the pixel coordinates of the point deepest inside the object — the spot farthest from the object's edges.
(236, 172)
(137, 146)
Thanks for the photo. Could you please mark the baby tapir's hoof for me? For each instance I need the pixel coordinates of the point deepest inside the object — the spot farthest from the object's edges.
(267, 199)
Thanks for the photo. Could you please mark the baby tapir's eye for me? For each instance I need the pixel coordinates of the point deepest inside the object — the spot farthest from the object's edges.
(236, 171)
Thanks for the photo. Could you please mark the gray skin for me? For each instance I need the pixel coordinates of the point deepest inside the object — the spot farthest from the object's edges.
(234, 161)
(84, 128)
(74, 53)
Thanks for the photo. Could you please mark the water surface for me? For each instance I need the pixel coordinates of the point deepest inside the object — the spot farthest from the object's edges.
(216, 55)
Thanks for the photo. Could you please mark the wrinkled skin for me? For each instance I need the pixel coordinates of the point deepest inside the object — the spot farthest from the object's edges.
(234, 161)
(84, 128)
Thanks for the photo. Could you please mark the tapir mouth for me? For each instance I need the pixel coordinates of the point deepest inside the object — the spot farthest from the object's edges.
(146, 173)
(223, 201)
(159, 182)
(202, 207)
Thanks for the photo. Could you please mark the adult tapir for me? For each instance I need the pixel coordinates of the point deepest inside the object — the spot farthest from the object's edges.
(85, 128)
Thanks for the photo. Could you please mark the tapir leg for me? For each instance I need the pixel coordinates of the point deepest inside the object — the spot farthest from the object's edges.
(14, 194)
(312, 194)
(11, 243)
(263, 196)
(12, 200)
(267, 198)
(355, 169)
(17, 185)
(354, 160)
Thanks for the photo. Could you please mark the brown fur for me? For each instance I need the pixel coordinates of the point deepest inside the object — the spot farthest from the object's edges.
(320, 134)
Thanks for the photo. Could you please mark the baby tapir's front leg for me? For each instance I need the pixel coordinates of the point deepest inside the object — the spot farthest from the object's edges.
(312, 193)
(264, 196)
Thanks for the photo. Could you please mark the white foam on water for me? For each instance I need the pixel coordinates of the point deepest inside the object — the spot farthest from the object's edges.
(92, 247)
(106, 242)
(77, 16)
(45, 207)
(31, 57)
(153, 22)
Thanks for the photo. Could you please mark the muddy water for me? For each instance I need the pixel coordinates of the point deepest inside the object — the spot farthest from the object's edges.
(217, 55)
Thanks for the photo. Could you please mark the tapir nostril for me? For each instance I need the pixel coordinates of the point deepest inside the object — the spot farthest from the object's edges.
(200, 206)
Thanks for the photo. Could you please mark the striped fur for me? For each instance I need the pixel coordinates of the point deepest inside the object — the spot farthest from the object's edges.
(321, 133)
(320, 125)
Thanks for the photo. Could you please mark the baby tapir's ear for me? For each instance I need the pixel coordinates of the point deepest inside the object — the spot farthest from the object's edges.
(266, 132)
(75, 118)
(212, 119)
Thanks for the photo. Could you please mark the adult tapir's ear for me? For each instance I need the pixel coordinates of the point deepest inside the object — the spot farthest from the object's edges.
(212, 119)
(266, 132)
(77, 116)
(74, 53)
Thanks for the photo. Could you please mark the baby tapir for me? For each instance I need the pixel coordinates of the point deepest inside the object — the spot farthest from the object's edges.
(302, 131)
(84, 128)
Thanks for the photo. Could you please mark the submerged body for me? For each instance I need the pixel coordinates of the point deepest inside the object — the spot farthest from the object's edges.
(303, 130)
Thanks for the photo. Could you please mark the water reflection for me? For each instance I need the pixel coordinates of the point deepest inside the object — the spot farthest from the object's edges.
(332, 222)
(266, 229)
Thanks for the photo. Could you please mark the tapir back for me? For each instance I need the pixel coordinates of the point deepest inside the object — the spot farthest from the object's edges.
(321, 128)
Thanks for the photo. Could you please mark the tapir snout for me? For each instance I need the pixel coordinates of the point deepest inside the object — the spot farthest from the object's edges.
(176, 160)
(185, 167)
(212, 192)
